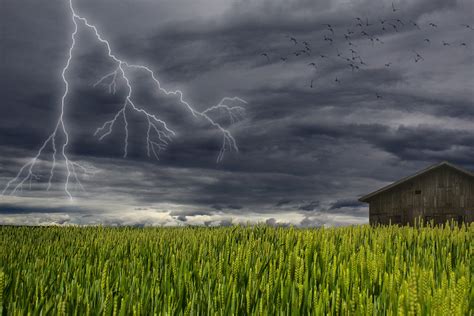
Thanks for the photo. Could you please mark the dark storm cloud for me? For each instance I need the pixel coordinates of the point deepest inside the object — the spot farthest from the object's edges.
(346, 203)
(310, 206)
(316, 221)
(222, 222)
(408, 143)
(273, 222)
(181, 218)
(6, 208)
(283, 202)
(302, 150)
(189, 213)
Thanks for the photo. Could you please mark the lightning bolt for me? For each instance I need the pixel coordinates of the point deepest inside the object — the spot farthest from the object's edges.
(158, 135)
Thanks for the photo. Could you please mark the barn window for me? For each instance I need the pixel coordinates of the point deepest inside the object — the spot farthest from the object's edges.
(417, 191)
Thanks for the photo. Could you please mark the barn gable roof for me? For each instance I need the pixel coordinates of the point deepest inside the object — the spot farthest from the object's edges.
(366, 198)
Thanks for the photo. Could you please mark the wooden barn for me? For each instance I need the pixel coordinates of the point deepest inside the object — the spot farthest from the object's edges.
(440, 192)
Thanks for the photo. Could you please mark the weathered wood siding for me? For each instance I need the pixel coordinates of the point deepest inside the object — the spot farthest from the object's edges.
(440, 194)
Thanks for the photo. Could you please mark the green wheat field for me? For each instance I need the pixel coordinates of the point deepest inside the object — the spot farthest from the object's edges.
(242, 270)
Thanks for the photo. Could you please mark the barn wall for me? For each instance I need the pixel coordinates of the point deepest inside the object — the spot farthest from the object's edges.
(440, 194)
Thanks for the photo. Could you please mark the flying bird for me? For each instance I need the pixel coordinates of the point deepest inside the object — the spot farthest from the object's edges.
(300, 52)
(312, 64)
(293, 40)
(329, 27)
(328, 39)
(445, 43)
(393, 8)
(427, 40)
(378, 96)
(418, 57)
(399, 21)
(388, 64)
(433, 25)
(337, 80)
(353, 66)
(463, 44)
(367, 22)
(283, 58)
(394, 27)
(265, 55)
(311, 85)
(303, 51)
(467, 26)
(415, 24)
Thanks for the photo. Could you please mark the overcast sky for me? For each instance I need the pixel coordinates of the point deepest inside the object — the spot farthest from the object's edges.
(313, 139)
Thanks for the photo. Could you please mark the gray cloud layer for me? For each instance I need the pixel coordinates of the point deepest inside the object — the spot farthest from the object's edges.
(306, 153)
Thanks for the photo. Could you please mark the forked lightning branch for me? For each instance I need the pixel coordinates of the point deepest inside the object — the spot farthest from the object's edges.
(158, 134)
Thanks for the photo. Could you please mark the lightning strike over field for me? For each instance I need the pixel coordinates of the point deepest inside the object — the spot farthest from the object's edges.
(158, 134)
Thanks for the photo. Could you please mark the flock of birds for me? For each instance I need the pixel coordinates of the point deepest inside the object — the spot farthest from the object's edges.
(361, 28)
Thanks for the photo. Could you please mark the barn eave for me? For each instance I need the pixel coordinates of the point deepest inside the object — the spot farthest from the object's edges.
(367, 197)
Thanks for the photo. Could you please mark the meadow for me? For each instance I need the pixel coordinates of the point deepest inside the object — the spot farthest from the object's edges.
(244, 270)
